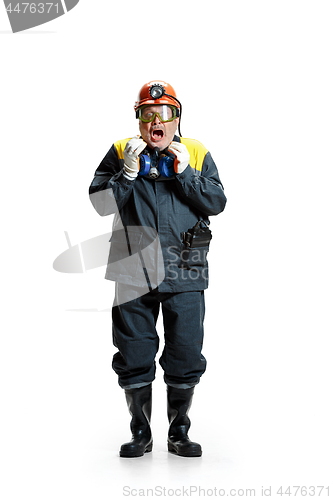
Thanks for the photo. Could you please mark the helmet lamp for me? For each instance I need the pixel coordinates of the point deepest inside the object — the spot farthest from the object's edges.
(156, 91)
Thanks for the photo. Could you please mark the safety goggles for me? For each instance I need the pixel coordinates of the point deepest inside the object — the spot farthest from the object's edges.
(166, 113)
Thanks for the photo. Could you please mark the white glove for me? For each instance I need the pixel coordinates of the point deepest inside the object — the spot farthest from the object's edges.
(182, 156)
(131, 154)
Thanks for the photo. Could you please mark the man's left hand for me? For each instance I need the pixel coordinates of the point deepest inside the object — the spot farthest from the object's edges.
(182, 156)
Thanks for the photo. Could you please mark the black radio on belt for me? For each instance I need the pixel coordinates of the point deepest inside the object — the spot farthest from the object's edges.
(197, 236)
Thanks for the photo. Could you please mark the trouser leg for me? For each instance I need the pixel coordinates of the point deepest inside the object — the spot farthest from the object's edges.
(134, 334)
(182, 360)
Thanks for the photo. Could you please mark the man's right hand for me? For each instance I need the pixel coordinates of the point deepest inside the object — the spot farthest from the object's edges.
(131, 154)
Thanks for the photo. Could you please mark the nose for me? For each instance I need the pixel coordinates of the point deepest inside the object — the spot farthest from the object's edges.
(156, 120)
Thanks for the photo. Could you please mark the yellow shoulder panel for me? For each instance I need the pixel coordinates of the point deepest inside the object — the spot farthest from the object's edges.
(120, 146)
(197, 152)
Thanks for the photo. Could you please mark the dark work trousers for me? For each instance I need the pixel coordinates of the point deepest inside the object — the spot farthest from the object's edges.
(134, 334)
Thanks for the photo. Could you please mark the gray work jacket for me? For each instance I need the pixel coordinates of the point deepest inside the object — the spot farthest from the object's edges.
(150, 216)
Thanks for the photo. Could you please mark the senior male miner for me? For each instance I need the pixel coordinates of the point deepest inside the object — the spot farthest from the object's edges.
(162, 189)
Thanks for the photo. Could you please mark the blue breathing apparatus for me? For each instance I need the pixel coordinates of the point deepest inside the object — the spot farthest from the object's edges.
(154, 164)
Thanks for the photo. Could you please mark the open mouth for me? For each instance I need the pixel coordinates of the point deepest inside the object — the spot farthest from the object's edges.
(157, 134)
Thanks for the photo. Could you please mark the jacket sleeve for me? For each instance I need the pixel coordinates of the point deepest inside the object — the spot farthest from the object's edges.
(205, 192)
(110, 189)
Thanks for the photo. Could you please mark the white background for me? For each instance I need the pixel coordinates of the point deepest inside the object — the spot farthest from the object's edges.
(255, 79)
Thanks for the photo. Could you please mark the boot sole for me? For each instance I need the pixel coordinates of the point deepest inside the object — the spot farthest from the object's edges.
(172, 449)
(133, 454)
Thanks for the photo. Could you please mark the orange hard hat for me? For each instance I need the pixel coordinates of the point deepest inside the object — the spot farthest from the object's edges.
(157, 92)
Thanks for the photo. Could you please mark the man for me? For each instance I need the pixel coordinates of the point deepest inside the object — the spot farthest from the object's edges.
(162, 188)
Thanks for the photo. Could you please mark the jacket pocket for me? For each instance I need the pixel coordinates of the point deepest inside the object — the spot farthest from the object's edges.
(124, 256)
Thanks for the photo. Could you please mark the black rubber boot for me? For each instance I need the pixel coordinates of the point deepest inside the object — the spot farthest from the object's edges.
(179, 403)
(139, 405)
